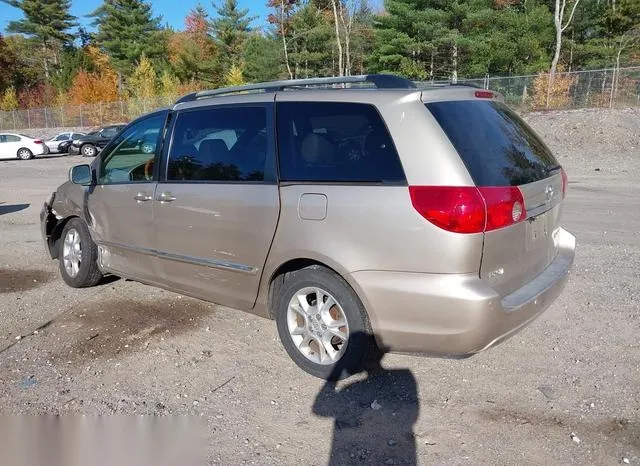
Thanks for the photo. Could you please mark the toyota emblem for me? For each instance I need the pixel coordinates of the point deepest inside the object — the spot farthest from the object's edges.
(549, 192)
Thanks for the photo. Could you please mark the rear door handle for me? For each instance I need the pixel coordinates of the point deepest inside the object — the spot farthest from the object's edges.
(142, 197)
(166, 197)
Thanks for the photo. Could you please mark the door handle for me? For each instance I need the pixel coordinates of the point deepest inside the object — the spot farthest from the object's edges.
(142, 197)
(166, 197)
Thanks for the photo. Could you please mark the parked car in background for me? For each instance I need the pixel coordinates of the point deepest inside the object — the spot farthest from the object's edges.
(19, 146)
(60, 142)
(427, 218)
(90, 144)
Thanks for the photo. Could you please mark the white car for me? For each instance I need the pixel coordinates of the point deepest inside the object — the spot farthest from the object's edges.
(54, 143)
(18, 146)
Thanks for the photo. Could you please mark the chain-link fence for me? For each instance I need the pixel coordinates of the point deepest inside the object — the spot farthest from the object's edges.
(607, 88)
(81, 116)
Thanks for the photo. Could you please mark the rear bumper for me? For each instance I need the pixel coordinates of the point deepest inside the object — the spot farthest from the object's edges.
(456, 315)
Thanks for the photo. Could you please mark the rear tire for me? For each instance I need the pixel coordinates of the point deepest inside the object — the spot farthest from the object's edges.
(24, 154)
(88, 150)
(313, 336)
(78, 256)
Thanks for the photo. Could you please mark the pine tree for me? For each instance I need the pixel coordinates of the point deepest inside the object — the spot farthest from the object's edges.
(127, 30)
(231, 28)
(47, 21)
(262, 58)
(9, 100)
(234, 76)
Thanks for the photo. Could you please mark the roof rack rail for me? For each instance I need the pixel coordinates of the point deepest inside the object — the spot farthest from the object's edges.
(381, 81)
(459, 83)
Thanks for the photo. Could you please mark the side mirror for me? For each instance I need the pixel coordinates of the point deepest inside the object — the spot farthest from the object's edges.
(81, 174)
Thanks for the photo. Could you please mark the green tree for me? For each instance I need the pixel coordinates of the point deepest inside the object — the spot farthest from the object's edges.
(24, 58)
(127, 30)
(312, 43)
(48, 22)
(72, 60)
(231, 27)
(262, 58)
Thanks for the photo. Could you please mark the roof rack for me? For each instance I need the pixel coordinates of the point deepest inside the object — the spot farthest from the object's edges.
(380, 81)
(459, 83)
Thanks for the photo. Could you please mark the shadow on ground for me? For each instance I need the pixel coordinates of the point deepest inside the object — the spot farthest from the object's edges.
(373, 415)
(12, 208)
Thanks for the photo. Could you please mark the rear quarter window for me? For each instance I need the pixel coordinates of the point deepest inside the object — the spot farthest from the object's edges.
(496, 145)
(335, 142)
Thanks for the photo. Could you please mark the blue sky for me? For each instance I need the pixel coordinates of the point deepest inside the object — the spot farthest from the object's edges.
(172, 11)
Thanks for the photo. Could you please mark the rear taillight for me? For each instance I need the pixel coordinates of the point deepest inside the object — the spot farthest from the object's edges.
(38, 141)
(565, 182)
(467, 209)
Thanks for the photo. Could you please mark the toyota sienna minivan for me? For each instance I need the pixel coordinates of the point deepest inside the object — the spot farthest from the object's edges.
(427, 218)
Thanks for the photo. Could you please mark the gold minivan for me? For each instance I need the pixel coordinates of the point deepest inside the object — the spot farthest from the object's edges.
(426, 218)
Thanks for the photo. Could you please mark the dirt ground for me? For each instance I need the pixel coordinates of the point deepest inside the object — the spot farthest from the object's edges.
(564, 390)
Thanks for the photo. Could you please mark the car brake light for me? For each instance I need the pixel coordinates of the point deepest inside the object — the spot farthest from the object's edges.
(484, 94)
(37, 141)
(468, 209)
(565, 182)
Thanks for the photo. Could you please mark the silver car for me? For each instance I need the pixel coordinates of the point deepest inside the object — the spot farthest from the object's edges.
(426, 218)
(61, 141)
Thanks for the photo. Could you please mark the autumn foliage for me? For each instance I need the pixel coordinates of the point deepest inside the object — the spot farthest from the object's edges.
(98, 86)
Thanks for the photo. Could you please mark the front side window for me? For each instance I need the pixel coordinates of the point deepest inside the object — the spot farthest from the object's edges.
(219, 144)
(133, 153)
(335, 142)
(109, 132)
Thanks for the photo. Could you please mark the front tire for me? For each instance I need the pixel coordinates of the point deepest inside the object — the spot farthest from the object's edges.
(78, 256)
(25, 154)
(88, 150)
(322, 324)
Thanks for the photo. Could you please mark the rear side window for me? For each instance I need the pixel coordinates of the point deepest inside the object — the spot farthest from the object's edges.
(220, 144)
(497, 147)
(335, 142)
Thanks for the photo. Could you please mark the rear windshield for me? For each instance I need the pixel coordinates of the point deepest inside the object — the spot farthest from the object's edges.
(498, 148)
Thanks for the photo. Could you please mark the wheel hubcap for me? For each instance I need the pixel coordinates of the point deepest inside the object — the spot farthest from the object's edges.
(317, 325)
(72, 252)
(24, 154)
(88, 150)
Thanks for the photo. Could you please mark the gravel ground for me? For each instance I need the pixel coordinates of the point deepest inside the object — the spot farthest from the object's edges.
(564, 390)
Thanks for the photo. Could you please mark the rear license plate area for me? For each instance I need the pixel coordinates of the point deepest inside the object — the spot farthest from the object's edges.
(537, 231)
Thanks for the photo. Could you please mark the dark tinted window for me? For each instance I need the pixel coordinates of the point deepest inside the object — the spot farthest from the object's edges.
(335, 142)
(498, 148)
(110, 132)
(219, 144)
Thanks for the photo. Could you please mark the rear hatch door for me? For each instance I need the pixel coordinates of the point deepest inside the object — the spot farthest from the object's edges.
(500, 149)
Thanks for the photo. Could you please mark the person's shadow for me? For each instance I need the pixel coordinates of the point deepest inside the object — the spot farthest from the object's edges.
(374, 416)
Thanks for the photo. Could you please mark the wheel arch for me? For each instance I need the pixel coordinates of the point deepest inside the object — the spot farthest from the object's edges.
(55, 235)
(279, 273)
